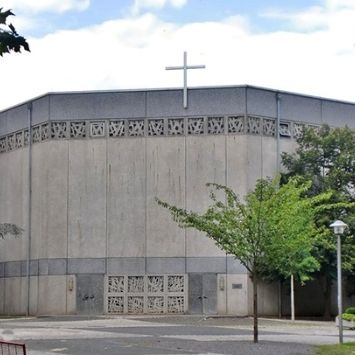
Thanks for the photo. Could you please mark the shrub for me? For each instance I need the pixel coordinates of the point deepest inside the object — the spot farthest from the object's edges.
(349, 317)
(350, 310)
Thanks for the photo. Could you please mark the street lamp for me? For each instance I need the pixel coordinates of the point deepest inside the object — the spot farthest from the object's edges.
(339, 227)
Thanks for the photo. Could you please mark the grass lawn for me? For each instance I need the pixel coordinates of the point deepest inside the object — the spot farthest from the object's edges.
(344, 349)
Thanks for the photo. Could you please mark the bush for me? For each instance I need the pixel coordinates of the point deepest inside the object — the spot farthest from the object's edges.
(350, 310)
(349, 317)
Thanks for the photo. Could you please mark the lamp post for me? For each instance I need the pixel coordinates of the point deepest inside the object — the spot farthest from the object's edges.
(339, 227)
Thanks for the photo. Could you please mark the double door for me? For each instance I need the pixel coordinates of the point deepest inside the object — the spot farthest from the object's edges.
(202, 293)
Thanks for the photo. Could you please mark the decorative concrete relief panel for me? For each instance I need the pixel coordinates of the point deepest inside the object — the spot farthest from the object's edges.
(115, 284)
(176, 127)
(285, 129)
(78, 129)
(116, 128)
(153, 127)
(153, 294)
(253, 125)
(115, 304)
(155, 284)
(156, 127)
(44, 131)
(297, 130)
(176, 283)
(136, 128)
(36, 134)
(135, 304)
(176, 304)
(215, 125)
(155, 304)
(58, 130)
(135, 284)
(26, 137)
(11, 142)
(19, 140)
(196, 125)
(236, 124)
(3, 144)
(269, 127)
(97, 129)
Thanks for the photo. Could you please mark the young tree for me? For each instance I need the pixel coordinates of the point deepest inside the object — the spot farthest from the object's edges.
(10, 40)
(272, 225)
(327, 158)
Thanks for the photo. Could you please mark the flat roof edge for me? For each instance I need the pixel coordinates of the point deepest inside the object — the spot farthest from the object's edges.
(246, 86)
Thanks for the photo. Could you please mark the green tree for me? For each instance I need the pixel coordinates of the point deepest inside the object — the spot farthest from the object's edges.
(270, 231)
(10, 40)
(327, 158)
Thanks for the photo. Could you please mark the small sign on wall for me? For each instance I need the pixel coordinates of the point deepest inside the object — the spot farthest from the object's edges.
(237, 286)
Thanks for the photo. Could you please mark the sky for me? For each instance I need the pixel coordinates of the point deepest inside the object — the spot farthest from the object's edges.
(302, 46)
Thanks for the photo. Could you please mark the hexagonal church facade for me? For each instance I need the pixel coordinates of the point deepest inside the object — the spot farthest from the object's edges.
(80, 171)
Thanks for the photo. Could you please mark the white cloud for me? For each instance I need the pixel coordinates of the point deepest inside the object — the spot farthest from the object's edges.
(133, 52)
(36, 6)
(139, 5)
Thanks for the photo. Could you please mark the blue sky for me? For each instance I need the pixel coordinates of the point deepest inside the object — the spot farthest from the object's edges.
(195, 10)
(301, 46)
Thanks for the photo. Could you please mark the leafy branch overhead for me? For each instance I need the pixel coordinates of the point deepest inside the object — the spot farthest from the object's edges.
(10, 40)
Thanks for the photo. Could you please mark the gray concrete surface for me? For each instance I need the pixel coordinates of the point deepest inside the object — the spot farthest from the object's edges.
(167, 335)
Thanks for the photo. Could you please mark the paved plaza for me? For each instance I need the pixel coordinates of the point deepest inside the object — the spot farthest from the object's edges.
(133, 335)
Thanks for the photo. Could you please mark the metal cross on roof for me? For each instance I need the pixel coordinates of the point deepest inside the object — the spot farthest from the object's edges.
(185, 67)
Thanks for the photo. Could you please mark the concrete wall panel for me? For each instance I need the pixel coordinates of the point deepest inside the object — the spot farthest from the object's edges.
(49, 200)
(301, 108)
(237, 158)
(232, 294)
(269, 157)
(200, 102)
(87, 199)
(261, 102)
(13, 119)
(97, 105)
(338, 114)
(205, 162)
(15, 295)
(52, 295)
(126, 215)
(166, 180)
(40, 110)
(254, 167)
(14, 207)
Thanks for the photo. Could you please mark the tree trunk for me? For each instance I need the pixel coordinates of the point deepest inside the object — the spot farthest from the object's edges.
(255, 308)
(327, 292)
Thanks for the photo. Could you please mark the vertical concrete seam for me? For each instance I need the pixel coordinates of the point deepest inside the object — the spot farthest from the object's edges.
(185, 196)
(277, 131)
(107, 189)
(226, 182)
(145, 205)
(29, 112)
(67, 247)
(145, 184)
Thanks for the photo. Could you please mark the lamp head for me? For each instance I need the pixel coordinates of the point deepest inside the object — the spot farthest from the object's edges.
(338, 227)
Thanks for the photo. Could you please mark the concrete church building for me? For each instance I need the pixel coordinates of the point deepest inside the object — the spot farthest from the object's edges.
(79, 172)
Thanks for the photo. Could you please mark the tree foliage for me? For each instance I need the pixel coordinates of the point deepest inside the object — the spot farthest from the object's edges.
(10, 40)
(272, 229)
(327, 158)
